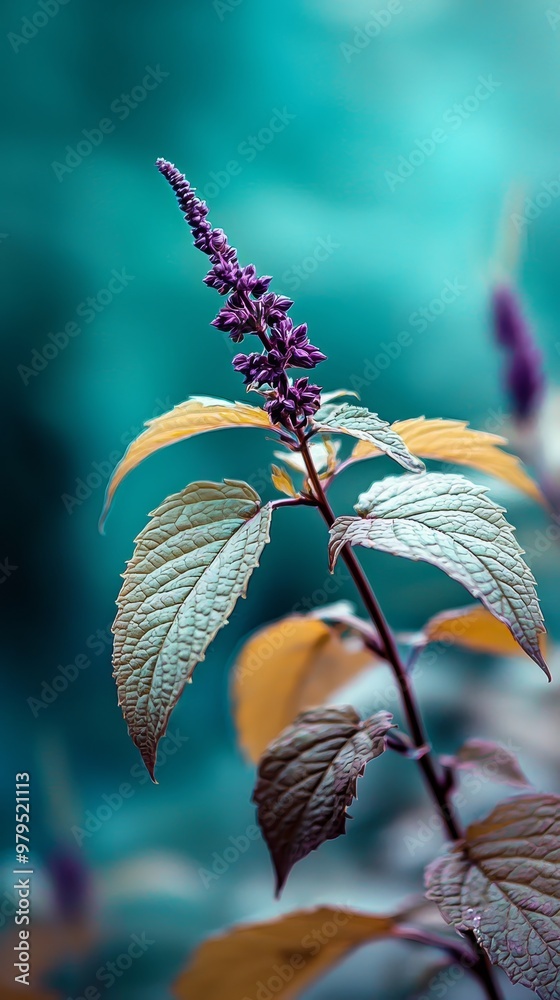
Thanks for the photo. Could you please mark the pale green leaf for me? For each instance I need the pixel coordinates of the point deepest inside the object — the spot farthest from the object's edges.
(321, 454)
(191, 564)
(360, 423)
(451, 523)
(329, 397)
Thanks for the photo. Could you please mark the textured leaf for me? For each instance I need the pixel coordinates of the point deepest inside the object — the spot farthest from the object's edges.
(492, 761)
(474, 628)
(248, 961)
(191, 563)
(282, 482)
(451, 523)
(291, 665)
(505, 886)
(360, 423)
(196, 416)
(307, 779)
(455, 442)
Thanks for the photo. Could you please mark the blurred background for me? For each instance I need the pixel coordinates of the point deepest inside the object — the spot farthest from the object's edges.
(391, 164)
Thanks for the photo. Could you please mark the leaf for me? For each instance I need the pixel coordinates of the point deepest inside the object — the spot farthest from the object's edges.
(505, 886)
(474, 628)
(329, 397)
(293, 664)
(307, 778)
(281, 957)
(323, 455)
(455, 442)
(282, 482)
(360, 423)
(491, 760)
(195, 416)
(191, 563)
(451, 523)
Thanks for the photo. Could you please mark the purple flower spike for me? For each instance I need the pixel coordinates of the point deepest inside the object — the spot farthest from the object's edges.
(524, 376)
(251, 309)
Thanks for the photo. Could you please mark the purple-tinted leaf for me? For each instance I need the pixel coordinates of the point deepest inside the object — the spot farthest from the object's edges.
(503, 883)
(493, 761)
(307, 779)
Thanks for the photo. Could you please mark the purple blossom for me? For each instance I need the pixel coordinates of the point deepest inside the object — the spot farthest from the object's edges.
(524, 376)
(251, 309)
(299, 401)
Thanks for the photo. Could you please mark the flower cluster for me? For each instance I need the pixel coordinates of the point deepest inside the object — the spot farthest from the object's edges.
(524, 374)
(250, 308)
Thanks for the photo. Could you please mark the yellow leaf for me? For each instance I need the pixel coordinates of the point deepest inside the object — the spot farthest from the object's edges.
(280, 957)
(284, 668)
(474, 628)
(195, 416)
(331, 448)
(455, 442)
(282, 482)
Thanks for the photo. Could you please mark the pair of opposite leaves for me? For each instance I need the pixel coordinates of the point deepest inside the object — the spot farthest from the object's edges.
(195, 557)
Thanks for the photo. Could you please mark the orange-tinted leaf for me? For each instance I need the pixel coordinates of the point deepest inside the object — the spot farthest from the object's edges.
(293, 664)
(455, 442)
(196, 416)
(282, 482)
(281, 957)
(474, 628)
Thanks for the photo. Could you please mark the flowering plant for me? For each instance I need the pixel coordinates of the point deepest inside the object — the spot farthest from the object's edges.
(498, 885)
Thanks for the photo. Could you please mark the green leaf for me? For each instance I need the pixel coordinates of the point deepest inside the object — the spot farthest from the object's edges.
(307, 779)
(344, 418)
(451, 523)
(503, 883)
(191, 563)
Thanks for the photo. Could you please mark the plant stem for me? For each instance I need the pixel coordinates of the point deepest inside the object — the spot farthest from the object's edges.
(437, 785)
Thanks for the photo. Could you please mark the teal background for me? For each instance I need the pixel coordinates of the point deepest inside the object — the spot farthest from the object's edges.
(351, 114)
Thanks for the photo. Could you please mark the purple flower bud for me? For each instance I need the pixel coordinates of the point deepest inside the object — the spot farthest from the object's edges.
(251, 308)
(301, 400)
(524, 376)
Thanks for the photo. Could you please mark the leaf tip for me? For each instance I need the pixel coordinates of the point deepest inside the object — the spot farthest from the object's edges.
(149, 759)
(541, 662)
(103, 518)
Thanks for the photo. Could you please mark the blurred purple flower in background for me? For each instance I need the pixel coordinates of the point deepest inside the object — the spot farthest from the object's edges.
(524, 375)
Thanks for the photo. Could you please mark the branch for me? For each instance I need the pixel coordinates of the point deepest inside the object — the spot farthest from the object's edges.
(437, 784)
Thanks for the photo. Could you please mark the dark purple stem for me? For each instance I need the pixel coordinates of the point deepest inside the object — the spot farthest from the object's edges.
(437, 785)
